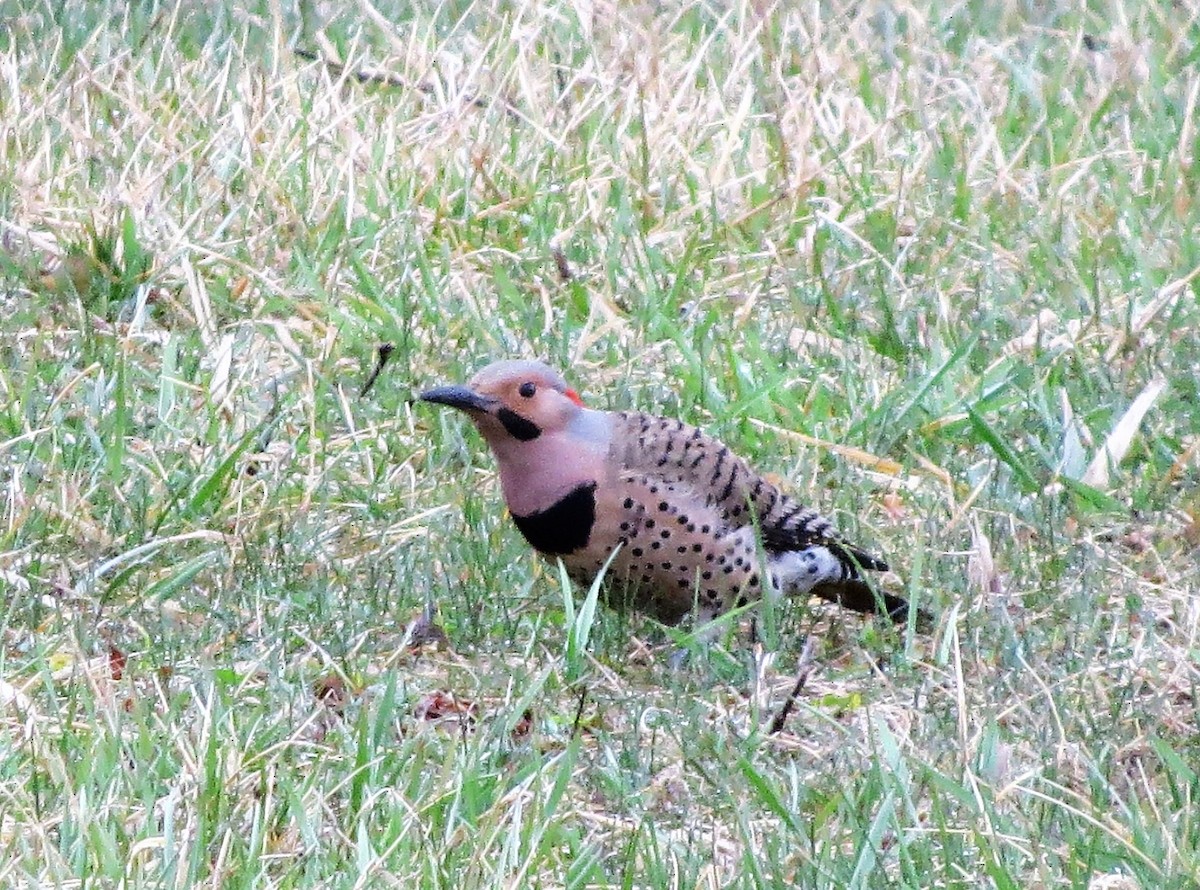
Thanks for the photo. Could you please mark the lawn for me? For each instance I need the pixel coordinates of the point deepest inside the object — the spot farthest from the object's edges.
(934, 266)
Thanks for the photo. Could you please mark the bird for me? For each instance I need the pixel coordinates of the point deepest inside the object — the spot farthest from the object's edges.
(686, 528)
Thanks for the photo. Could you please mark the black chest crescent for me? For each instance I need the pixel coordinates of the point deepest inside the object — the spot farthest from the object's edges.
(564, 527)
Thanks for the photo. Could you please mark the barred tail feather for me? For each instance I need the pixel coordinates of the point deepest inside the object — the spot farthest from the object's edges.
(858, 558)
(858, 596)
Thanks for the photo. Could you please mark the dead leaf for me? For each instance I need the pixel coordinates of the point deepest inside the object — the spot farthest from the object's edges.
(332, 693)
(439, 706)
(1191, 530)
(893, 507)
(1119, 440)
(116, 662)
(981, 568)
(524, 727)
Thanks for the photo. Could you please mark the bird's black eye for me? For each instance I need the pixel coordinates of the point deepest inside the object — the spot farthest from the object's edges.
(527, 389)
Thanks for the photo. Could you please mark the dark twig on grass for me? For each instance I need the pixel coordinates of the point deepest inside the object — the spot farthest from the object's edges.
(383, 353)
(387, 79)
(579, 711)
(803, 672)
(381, 78)
(266, 433)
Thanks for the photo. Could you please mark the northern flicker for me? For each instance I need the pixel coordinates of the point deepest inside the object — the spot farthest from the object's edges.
(684, 514)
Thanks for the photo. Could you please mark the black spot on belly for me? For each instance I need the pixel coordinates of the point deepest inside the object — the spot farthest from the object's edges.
(518, 427)
(564, 527)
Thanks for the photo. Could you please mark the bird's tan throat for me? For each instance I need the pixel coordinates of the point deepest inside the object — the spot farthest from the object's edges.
(564, 527)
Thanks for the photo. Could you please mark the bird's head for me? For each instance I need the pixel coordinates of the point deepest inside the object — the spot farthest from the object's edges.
(513, 401)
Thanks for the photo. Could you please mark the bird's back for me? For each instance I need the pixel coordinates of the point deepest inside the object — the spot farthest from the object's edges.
(677, 453)
(689, 513)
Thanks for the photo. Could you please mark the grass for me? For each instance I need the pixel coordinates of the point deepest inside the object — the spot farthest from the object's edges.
(934, 265)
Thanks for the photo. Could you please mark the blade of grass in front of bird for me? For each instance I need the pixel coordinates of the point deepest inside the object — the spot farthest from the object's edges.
(1003, 450)
(580, 629)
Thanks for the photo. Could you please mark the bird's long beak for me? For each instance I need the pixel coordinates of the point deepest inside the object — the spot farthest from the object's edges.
(461, 397)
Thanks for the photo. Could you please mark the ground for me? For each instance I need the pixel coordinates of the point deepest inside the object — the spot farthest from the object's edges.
(933, 266)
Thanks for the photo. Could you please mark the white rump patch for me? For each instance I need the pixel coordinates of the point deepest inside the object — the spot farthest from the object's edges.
(799, 571)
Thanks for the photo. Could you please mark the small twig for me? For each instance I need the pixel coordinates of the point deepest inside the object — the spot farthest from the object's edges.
(383, 354)
(803, 672)
(387, 79)
(579, 711)
(382, 78)
(266, 434)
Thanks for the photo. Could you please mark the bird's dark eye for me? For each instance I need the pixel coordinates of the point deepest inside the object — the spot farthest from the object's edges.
(527, 389)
